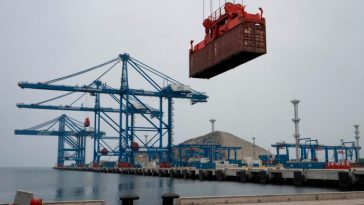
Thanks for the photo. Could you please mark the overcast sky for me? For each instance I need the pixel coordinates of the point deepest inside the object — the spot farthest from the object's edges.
(315, 54)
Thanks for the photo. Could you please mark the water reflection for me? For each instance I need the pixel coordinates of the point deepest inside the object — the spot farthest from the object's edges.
(170, 185)
(59, 193)
(54, 185)
(126, 186)
(96, 178)
(59, 189)
(78, 191)
(170, 182)
(150, 184)
(95, 190)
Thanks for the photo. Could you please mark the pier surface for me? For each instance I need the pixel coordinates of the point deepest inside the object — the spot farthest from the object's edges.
(332, 198)
(340, 178)
(325, 202)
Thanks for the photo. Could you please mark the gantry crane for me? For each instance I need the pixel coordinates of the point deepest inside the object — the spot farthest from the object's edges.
(131, 103)
(312, 146)
(213, 152)
(71, 138)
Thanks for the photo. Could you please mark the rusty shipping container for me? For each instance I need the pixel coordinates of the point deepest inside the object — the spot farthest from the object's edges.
(239, 45)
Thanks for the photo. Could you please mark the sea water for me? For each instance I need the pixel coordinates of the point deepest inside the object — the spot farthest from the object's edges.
(58, 185)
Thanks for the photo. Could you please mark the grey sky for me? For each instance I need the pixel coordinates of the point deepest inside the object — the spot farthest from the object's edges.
(314, 54)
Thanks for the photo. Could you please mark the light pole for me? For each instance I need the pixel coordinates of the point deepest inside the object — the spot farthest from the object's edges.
(357, 137)
(212, 125)
(296, 122)
(342, 144)
(212, 139)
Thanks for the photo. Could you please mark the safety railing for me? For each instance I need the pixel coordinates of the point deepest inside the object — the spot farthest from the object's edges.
(216, 14)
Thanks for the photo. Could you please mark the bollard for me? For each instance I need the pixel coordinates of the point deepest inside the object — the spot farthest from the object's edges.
(298, 178)
(128, 199)
(219, 175)
(201, 174)
(168, 198)
(184, 174)
(263, 177)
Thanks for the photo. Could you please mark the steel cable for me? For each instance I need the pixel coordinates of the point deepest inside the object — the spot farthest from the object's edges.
(81, 72)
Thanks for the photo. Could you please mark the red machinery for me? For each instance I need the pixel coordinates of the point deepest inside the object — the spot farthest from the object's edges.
(124, 165)
(338, 165)
(134, 146)
(232, 37)
(104, 151)
(164, 165)
(87, 122)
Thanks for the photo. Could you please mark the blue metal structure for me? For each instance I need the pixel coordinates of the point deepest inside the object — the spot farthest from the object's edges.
(351, 150)
(304, 150)
(309, 145)
(71, 138)
(131, 105)
(312, 146)
(217, 152)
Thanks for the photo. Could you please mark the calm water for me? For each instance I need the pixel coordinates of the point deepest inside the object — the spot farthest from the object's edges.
(57, 185)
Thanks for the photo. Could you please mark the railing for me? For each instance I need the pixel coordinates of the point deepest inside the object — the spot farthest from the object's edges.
(216, 14)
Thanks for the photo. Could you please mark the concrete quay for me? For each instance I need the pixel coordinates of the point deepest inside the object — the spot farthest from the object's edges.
(332, 198)
(340, 178)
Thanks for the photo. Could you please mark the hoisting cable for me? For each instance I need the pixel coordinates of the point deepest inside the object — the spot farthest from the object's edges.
(102, 75)
(66, 94)
(203, 10)
(98, 78)
(75, 121)
(145, 75)
(81, 72)
(52, 125)
(114, 98)
(73, 124)
(83, 94)
(155, 72)
(55, 98)
(211, 7)
(44, 124)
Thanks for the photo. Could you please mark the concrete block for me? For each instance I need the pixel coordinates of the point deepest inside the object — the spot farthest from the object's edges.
(23, 197)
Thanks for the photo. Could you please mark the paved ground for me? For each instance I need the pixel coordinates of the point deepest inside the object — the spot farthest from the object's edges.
(322, 202)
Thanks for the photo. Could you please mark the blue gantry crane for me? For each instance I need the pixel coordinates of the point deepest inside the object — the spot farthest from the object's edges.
(185, 152)
(71, 138)
(312, 146)
(132, 116)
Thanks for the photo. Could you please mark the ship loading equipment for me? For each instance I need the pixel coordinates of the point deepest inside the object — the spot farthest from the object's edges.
(342, 156)
(71, 138)
(205, 156)
(129, 117)
(232, 37)
(306, 151)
